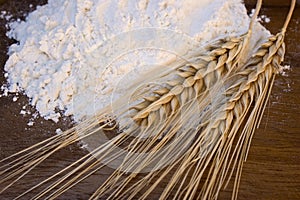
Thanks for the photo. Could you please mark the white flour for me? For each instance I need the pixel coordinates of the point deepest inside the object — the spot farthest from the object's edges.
(65, 47)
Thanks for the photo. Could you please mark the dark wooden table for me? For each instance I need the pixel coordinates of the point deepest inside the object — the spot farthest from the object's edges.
(272, 170)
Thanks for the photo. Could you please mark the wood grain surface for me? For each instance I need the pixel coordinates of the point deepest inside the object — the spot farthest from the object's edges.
(272, 170)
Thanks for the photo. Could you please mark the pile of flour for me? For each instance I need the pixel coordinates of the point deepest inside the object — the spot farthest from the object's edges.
(63, 59)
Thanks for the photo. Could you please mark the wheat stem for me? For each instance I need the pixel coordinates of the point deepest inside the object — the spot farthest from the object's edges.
(289, 16)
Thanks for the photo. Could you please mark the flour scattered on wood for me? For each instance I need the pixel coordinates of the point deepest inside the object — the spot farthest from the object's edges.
(57, 41)
(261, 18)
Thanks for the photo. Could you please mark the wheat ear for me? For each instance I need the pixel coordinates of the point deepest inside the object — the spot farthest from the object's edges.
(39, 152)
(88, 163)
(222, 60)
(195, 79)
(252, 87)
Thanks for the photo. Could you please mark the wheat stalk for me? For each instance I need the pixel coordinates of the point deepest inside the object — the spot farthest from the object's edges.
(55, 144)
(168, 116)
(97, 163)
(206, 70)
(254, 88)
(194, 79)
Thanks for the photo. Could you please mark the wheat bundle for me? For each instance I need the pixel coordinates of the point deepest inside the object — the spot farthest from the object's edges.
(196, 126)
